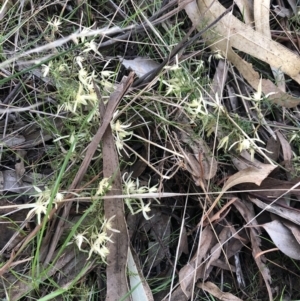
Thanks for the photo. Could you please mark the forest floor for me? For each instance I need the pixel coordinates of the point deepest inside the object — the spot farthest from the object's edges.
(149, 150)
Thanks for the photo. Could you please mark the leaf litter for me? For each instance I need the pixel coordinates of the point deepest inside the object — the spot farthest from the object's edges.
(189, 178)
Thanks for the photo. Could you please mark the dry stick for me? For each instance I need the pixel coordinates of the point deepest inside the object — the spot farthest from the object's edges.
(116, 283)
(113, 102)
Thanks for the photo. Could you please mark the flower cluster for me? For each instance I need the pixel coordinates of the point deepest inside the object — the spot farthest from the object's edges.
(133, 187)
(41, 205)
(97, 239)
(120, 132)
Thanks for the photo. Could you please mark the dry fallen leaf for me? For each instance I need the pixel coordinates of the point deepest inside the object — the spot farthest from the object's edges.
(262, 25)
(216, 292)
(248, 175)
(246, 8)
(158, 228)
(283, 239)
(201, 162)
(140, 65)
(285, 146)
(286, 213)
(230, 33)
(187, 273)
(9, 181)
(216, 251)
(183, 246)
(294, 229)
(11, 141)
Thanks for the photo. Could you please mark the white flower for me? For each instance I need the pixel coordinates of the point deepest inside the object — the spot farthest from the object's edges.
(258, 95)
(131, 187)
(79, 239)
(104, 186)
(247, 144)
(79, 59)
(46, 69)
(55, 24)
(91, 46)
(98, 245)
(224, 143)
(144, 209)
(120, 132)
(108, 225)
(38, 209)
(40, 206)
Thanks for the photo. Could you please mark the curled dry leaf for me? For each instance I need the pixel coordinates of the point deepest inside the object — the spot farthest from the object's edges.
(216, 251)
(187, 273)
(249, 175)
(283, 239)
(286, 213)
(216, 292)
(140, 65)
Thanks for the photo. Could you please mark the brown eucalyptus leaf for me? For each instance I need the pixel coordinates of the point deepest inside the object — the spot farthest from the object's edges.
(283, 239)
(216, 250)
(262, 25)
(270, 188)
(183, 242)
(116, 269)
(187, 273)
(216, 292)
(285, 146)
(246, 8)
(293, 228)
(244, 38)
(286, 213)
(249, 175)
(230, 34)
